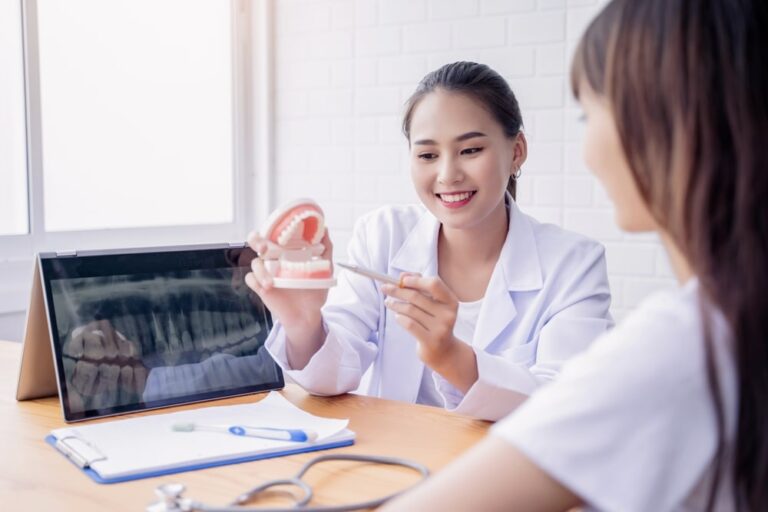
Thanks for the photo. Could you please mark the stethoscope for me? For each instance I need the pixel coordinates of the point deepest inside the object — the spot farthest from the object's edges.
(171, 499)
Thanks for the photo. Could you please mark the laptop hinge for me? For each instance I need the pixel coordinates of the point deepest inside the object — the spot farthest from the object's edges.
(65, 254)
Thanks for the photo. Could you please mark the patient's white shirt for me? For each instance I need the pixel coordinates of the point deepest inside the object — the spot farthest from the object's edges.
(629, 425)
(463, 329)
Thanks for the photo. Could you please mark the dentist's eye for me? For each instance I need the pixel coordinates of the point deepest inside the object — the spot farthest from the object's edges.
(471, 151)
(427, 156)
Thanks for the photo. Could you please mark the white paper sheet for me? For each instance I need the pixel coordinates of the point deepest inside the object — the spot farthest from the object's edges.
(140, 445)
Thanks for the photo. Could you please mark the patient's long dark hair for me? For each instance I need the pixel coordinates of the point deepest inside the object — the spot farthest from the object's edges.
(480, 83)
(687, 82)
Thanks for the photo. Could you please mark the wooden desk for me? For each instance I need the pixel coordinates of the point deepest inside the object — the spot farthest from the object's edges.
(33, 476)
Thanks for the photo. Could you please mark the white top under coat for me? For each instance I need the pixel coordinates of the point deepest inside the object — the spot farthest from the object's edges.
(546, 301)
(630, 424)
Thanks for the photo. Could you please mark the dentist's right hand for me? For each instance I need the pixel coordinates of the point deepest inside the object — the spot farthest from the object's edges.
(298, 311)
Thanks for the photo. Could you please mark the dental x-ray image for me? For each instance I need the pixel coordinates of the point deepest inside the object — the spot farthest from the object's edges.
(152, 338)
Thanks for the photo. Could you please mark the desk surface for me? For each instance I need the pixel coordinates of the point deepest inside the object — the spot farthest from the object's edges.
(33, 476)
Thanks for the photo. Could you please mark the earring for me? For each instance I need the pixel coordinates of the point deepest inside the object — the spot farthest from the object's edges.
(517, 173)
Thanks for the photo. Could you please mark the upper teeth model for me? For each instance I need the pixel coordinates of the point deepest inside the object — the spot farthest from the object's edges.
(297, 229)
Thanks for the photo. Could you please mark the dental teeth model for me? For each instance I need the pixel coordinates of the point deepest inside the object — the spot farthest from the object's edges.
(293, 258)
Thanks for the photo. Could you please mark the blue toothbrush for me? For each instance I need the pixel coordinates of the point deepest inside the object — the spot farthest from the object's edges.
(279, 434)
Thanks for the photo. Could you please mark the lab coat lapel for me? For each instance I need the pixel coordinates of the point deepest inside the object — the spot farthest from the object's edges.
(518, 270)
(417, 254)
(419, 251)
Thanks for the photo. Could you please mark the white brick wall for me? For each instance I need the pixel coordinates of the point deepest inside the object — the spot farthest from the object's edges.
(345, 68)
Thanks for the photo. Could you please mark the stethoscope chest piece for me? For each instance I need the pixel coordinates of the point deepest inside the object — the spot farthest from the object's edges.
(171, 499)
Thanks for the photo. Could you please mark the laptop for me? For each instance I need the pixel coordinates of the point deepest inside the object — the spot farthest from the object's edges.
(122, 331)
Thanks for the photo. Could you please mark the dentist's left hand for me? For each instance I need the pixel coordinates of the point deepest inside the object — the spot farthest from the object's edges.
(427, 308)
(297, 310)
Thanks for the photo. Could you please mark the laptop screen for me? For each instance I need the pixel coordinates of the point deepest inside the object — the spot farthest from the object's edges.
(147, 329)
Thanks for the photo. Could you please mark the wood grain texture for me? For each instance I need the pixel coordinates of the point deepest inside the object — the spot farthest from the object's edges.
(33, 476)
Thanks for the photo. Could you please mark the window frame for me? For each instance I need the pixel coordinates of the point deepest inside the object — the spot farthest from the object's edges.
(252, 68)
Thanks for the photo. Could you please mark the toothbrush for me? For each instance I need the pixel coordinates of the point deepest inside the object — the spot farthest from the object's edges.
(279, 434)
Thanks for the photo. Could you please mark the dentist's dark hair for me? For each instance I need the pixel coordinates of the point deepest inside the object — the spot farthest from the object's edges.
(480, 83)
(686, 81)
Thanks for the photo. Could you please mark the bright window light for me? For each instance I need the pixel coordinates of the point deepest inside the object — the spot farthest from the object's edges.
(14, 219)
(136, 107)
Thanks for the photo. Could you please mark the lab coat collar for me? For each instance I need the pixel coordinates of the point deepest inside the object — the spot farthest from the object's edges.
(519, 258)
(419, 251)
(518, 268)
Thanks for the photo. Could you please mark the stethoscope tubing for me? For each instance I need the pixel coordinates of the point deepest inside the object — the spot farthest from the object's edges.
(192, 506)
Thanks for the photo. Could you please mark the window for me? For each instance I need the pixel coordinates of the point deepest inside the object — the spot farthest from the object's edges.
(13, 154)
(128, 123)
(136, 113)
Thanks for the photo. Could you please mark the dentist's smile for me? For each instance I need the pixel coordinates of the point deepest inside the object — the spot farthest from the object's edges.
(456, 199)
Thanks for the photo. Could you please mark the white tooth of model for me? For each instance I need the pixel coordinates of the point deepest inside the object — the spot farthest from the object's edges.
(272, 266)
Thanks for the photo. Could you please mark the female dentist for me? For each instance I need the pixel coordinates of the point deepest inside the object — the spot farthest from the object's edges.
(493, 302)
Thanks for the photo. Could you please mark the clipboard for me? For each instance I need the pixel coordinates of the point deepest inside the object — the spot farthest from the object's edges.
(146, 447)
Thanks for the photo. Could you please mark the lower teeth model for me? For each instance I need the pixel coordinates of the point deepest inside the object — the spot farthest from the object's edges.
(296, 230)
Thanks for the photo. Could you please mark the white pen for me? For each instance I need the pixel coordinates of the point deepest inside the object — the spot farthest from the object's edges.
(378, 276)
(279, 434)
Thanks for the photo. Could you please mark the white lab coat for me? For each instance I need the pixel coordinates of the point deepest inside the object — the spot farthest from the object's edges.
(630, 423)
(547, 299)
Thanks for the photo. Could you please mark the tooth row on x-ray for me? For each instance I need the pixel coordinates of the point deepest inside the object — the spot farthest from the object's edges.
(106, 360)
(174, 336)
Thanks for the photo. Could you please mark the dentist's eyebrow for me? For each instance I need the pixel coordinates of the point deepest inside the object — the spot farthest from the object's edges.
(460, 138)
(469, 135)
